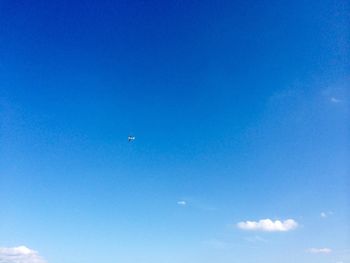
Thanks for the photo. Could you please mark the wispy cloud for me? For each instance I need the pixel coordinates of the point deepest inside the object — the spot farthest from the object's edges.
(219, 244)
(268, 225)
(182, 202)
(255, 239)
(326, 214)
(20, 254)
(319, 250)
(335, 100)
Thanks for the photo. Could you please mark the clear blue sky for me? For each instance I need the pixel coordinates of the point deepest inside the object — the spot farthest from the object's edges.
(240, 111)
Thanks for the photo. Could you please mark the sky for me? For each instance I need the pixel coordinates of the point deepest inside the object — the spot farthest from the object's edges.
(240, 112)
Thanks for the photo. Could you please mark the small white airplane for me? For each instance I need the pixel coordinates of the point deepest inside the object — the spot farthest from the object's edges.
(131, 138)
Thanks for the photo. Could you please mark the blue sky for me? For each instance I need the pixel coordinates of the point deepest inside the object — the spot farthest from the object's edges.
(240, 112)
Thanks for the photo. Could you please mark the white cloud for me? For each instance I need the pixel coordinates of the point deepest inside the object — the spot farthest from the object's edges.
(323, 214)
(319, 250)
(19, 254)
(268, 225)
(183, 203)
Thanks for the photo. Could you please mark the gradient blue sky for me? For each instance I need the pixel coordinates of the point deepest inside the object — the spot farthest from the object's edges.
(240, 111)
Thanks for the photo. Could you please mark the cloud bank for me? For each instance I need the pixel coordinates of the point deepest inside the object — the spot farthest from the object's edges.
(20, 254)
(268, 225)
(319, 250)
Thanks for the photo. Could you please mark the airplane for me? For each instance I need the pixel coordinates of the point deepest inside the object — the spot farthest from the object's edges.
(131, 138)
